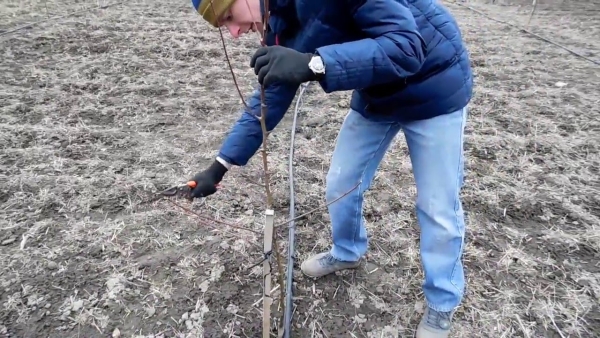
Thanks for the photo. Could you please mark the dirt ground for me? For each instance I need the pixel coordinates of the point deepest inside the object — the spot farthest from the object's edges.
(104, 108)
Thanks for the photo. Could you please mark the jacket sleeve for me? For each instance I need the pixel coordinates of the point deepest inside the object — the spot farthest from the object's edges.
(245, 137)
(393, 48)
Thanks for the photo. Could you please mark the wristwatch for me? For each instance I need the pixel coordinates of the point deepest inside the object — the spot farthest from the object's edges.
(317, 66)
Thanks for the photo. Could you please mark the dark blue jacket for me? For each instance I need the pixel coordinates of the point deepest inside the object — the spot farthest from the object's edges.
(404, 59)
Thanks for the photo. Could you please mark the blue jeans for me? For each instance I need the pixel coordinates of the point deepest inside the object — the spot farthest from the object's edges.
(436, 153)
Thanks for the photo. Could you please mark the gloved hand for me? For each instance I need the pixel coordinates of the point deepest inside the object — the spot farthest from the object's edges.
(278, 63)
(207, 180)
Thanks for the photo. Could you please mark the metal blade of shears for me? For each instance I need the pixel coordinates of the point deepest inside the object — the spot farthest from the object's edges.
(182, 190)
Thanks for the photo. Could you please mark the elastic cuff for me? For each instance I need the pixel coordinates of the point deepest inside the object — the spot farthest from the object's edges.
(224, 163)
(217, 171)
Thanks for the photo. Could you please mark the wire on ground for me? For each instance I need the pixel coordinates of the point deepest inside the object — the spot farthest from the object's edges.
(527, 31)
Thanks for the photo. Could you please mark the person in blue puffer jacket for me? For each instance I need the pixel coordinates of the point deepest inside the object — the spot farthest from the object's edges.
(409, 70)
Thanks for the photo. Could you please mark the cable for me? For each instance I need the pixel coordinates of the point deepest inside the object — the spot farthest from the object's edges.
(287, 321)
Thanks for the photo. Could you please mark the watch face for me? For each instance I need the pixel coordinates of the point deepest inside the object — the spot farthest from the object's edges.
(317, 63)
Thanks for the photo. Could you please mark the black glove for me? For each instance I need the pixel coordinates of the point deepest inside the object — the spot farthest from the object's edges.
(277, 63)
(207, 180)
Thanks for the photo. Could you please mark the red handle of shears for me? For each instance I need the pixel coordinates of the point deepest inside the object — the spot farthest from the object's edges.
(193, 184)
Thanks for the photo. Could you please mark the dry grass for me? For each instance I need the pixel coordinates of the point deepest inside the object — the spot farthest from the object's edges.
(102, 109)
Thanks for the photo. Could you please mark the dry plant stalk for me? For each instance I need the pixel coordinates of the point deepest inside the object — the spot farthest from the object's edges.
(534, 4)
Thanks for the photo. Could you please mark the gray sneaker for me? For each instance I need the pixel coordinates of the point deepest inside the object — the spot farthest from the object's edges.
(323, 264)
(435, 324)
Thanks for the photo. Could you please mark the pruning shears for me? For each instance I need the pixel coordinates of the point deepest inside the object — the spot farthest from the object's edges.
(182, 190)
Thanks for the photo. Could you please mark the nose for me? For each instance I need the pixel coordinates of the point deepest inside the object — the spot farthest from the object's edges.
(234, 30)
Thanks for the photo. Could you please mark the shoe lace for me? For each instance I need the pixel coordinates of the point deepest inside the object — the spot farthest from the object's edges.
(327, 260)
(438, 320)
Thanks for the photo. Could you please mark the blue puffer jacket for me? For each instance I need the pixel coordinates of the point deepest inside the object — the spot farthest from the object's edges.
(404, 59)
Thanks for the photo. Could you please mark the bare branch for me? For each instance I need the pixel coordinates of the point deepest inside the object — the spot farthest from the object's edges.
(320, 207)
(207, 219)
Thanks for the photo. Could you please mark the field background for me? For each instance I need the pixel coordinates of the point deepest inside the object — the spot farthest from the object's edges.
(101, 109)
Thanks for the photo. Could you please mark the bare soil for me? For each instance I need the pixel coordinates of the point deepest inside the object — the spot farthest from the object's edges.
(102, 109)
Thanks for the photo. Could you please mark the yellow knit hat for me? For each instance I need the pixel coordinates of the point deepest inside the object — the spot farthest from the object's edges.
(212, 10)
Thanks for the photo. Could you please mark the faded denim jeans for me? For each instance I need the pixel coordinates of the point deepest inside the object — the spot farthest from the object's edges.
(436, 153)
